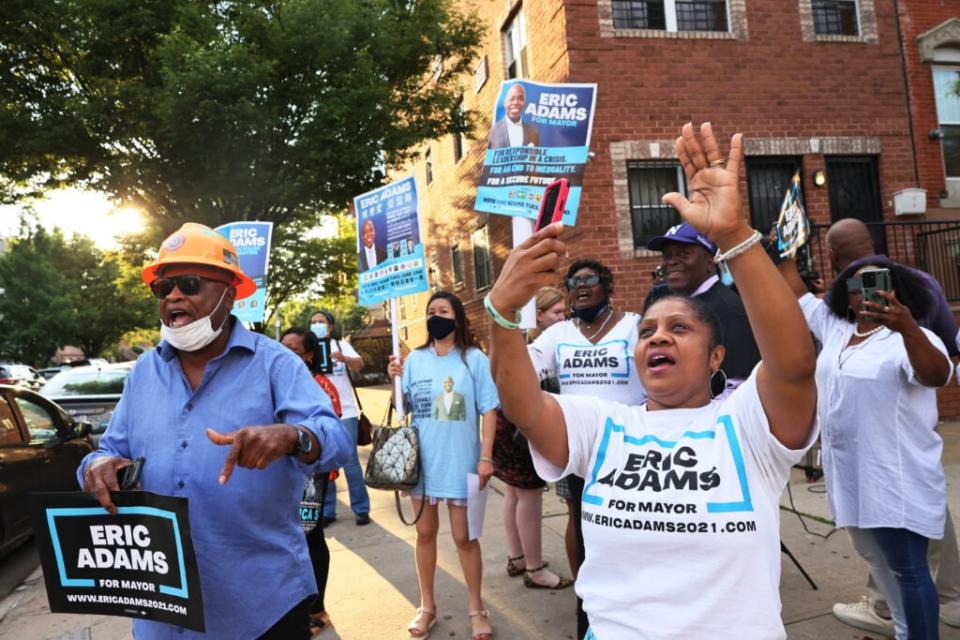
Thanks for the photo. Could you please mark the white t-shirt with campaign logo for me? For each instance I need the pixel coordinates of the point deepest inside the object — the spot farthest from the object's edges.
(681, 517)
(603, 370)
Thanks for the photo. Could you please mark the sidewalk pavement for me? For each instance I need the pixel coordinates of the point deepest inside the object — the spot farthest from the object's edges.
(372, 591)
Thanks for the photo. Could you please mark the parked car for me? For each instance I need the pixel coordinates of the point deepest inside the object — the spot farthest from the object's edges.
(49, 372)
(20, 375)
(89, 393)
(40, 449)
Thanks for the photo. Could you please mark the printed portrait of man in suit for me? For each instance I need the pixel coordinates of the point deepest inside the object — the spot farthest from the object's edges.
(449, 405)
(512, 131)
(371, 254)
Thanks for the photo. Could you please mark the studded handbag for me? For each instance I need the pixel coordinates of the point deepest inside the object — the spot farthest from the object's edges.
(394, 461)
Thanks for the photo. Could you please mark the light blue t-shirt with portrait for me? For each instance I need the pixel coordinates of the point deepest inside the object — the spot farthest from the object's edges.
(446, 397)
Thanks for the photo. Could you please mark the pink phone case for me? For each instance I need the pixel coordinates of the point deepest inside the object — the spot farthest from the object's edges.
(556, 215)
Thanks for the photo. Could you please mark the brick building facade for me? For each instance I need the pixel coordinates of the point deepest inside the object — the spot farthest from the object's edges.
(818, 86)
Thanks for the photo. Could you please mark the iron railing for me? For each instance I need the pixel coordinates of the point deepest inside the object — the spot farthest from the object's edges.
(933, 247)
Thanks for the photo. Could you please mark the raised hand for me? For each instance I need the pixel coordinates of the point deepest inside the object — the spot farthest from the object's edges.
(531, 265)
(713, 207)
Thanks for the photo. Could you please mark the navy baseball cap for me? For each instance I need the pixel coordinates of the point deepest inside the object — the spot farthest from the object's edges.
(684, 234)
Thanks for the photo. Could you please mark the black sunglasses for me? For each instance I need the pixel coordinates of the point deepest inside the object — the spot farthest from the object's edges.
(590, 281)
(189, 285)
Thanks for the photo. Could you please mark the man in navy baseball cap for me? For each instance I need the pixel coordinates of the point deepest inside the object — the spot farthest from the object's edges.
(687, 258)
(688, 268)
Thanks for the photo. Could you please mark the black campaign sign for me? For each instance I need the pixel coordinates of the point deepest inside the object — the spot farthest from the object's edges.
(138, 563)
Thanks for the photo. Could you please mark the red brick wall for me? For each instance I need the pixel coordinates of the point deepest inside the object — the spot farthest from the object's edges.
(770, 85)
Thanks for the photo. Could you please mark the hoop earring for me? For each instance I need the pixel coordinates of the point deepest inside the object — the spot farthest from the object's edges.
(717, 384)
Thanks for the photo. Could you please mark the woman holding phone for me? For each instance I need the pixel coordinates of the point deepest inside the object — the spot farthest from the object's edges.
(877, 375)
(681, 481)
(447, 387)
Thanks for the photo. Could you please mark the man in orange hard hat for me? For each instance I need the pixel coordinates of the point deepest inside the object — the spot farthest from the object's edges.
(210, 398)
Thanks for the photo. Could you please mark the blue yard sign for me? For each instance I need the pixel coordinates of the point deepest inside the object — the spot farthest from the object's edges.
(390, 255)
(540, 132)
(252, 240)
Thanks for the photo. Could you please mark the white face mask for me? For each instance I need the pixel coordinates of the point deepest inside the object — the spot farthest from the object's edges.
(197, 334)
(320, 329)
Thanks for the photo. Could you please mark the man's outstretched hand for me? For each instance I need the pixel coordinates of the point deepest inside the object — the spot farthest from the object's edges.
(254, 447)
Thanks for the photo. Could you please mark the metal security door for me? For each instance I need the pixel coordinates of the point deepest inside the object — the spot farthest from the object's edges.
(855, 193)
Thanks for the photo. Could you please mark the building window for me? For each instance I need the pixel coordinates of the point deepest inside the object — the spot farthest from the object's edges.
(835, 17)
(456, 261)
(428, 163)
(768, 178)
(648, 182)
(402, 304)
(945, 81)
(482, 269)
(671, 15)
(459, 139)
(515, 46)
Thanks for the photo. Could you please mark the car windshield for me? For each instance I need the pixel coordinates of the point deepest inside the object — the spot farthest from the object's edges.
(85, 383)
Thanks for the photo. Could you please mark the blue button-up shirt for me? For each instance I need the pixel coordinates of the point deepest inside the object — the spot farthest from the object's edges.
(251, 551)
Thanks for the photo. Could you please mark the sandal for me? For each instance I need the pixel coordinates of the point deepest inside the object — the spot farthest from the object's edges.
(530, 583)
(417, 629)
(481, 635)
(318, 623)
(512, 569)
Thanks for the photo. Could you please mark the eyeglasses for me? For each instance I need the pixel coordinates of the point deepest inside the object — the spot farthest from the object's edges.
(590, 281)
(189, 285)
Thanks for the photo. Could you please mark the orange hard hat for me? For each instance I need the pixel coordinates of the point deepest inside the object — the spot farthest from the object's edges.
(199, 244)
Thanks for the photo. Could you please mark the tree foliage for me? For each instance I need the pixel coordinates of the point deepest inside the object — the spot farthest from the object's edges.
(221, 110)
(59, 291)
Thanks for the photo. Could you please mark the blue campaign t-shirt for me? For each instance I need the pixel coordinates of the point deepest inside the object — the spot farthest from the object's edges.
(446, 398)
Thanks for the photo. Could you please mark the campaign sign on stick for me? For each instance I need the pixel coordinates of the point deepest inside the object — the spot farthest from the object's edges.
(137, 563)
(390, 257)
(540, 132)
(252, 240)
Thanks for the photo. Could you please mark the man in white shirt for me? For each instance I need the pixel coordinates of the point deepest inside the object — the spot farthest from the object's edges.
(512, 131)
(370, 254)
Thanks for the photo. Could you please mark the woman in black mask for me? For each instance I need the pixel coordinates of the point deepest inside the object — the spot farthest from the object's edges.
(592, 355)
(447, 387)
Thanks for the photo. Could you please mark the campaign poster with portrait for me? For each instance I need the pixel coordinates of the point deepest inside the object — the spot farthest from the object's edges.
(540, 133)
(390, 255)
(139, 563)
(252, 240)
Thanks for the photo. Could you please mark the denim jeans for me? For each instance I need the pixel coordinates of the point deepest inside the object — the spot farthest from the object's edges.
(359, 500)
(898, 563)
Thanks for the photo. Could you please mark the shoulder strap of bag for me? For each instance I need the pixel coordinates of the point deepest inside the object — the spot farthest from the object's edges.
(350, 378)
(396, 497)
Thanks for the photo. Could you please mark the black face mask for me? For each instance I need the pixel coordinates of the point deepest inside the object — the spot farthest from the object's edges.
(439, 327)
(590, 313)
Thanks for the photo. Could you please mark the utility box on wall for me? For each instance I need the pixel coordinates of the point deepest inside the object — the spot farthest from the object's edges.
(910, 202)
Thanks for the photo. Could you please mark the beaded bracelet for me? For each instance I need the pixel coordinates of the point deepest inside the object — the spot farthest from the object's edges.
(499, 319)
(754, 238)
(485, 459)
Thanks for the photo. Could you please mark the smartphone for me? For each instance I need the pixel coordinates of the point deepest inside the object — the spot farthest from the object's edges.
(553, 203)
(874, 280)
(129, 476)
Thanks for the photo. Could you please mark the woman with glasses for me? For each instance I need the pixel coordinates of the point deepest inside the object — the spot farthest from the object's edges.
(877, 375)
(681, 516)
(592, 355)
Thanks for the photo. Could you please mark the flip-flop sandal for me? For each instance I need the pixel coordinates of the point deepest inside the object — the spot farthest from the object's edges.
(416, 629)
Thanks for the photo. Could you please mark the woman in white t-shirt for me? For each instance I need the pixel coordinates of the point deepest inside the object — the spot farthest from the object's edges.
(681, 503)
(877, 375)
(344, 357)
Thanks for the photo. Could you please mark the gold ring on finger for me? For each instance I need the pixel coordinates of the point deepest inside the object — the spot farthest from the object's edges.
(717, 163)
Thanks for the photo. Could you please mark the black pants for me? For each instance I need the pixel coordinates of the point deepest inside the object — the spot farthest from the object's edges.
(576, 492)
(319, 554)
(295, 625)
